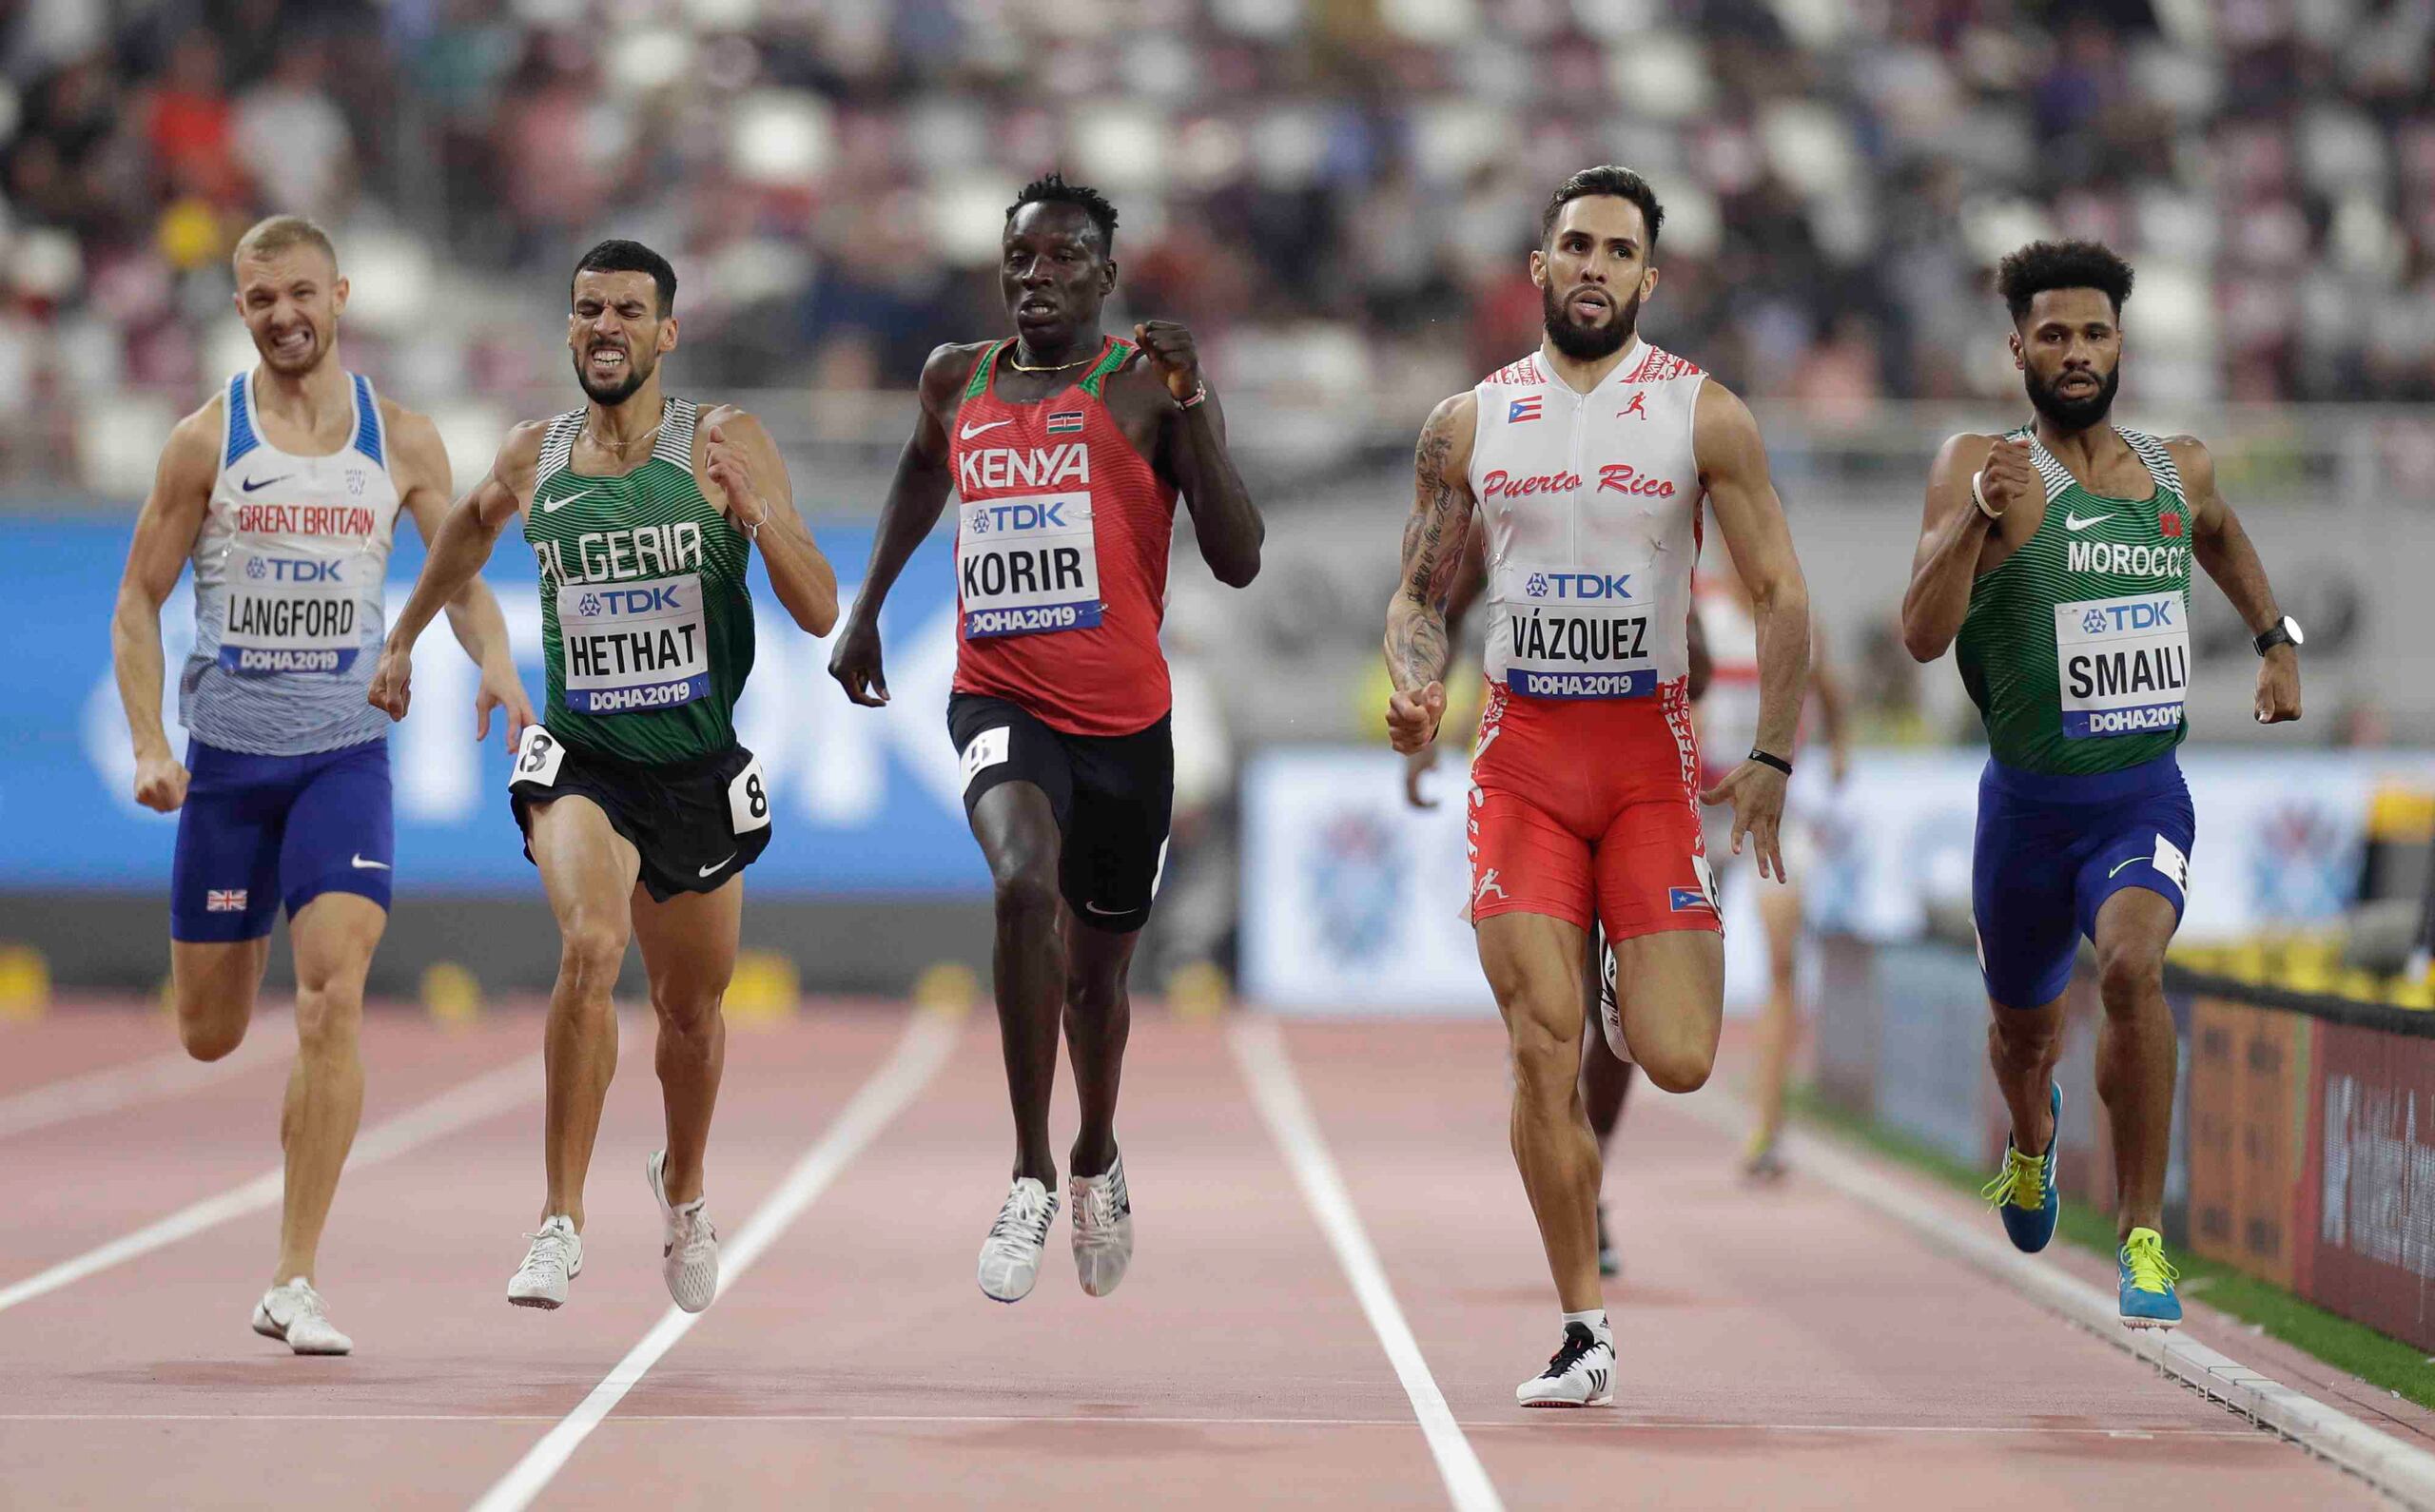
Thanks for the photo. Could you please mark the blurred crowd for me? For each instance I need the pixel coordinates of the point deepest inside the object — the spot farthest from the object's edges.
(1336, 193)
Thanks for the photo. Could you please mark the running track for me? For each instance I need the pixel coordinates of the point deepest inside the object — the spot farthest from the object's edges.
(1777, 1348)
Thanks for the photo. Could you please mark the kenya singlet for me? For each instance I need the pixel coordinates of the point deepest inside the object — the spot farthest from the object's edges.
(646, 622)
(289, 569)
(1061, 538)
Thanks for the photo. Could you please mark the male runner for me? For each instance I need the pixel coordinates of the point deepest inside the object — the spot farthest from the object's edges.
(2074, 633)
(1591, 457)
(637, 802)
(1067, 449)
(284, 492)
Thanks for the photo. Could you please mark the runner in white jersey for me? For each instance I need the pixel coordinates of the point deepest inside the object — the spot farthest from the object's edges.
(1592, 458)
(284, 492)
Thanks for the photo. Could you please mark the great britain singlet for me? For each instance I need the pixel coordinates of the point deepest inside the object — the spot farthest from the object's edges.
(2076, 646)
(646, 621)
(1061, 538)
(289, 570)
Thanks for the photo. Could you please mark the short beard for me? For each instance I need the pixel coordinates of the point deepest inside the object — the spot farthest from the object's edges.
(637, 376)
(1587, 343)
(2073, 414)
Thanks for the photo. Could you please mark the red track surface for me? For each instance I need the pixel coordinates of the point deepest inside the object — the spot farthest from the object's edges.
(1777, 1348)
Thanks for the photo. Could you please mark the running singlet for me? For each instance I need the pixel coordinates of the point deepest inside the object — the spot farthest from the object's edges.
(289, 569)
(2076, 646)
(646, 622)
(1061, 556)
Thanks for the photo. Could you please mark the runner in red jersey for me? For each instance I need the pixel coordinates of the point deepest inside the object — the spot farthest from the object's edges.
(1590, 462)
(1067, 450)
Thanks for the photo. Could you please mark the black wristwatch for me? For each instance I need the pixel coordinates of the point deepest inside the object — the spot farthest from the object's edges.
(2283, 632)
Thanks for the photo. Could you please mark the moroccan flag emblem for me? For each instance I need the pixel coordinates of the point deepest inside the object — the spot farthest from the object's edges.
(2170, 524)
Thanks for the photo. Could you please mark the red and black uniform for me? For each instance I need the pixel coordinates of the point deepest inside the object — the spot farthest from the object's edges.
(1062, 541)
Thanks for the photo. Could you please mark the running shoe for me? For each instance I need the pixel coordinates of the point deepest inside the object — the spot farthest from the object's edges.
(689, 1255)
(2025, 1192)
(1580, 1375)
(1610, 1260)
(555, 1258)
(2145, 1278)
(1103, 1228)
(296, 1315)
(1763, 1162)
(1011, 1256)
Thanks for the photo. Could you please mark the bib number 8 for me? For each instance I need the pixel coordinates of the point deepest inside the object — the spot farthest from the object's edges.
(538, 759)
(748, 800)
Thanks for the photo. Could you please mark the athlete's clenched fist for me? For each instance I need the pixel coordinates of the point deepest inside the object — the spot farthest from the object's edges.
(1411, 718)
(2009, 476)
(161, 783)
(1172, 355)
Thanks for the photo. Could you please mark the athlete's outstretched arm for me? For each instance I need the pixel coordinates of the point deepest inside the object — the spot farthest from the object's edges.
(1225, 522)
(1954, 534)
(473, 614)
(1733, 469)
(742, 462)
(165, 537)
(2223, 548)
(915, 497)
(458, 551)
(1435, 540)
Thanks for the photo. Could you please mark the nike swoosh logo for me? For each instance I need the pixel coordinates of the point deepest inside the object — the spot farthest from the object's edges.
(2073, 522)
(250, 485)
(1104, 913)
(2133, 862)
(360, 864)
(715, 866)
(550, 505)
(971, 430)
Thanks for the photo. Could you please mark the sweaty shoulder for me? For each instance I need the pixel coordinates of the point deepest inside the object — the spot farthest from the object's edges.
(192, 451)
(2194, 462)
(1723, 427)
(1448, 434)
(947, 370)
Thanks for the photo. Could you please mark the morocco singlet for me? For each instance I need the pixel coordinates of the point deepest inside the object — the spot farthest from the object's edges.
(1584, 796)
(1061, 549)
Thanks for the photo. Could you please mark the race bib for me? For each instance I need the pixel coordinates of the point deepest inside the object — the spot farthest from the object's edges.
(289, 613)
(632, 647)
(2123, 664)
(538, 756)
(748, 800)
(1576, 635)
(1027, 566)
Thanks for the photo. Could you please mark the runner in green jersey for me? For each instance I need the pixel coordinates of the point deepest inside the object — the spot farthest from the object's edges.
(2058, 555)
(637, 802)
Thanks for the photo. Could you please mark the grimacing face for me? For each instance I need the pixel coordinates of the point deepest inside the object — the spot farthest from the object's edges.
(1054, 272)
(614, 333)
(2069, 350)
(1593, 274)
(290, 301)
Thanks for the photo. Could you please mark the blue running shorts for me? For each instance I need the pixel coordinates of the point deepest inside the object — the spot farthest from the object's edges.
(2051, 850)
(258, 832)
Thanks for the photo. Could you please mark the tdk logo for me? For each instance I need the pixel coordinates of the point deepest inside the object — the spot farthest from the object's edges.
(285, 569)
(1020, 516)
(2121, 617)
(1579, 587)
(629, 601)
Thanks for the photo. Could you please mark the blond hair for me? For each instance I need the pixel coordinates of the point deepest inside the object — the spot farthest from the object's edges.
(284, 233)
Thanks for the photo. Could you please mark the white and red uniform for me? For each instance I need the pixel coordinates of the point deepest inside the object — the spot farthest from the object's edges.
(1584, 796)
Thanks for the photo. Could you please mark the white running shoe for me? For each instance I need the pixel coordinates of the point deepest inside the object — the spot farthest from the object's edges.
(689, 1257)
(1103, 1228)
(1581, 1374)
(296, 1315)
(555, 1258)
(1011, 1256)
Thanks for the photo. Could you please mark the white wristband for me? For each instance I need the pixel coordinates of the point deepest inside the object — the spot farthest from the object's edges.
(1980, 499)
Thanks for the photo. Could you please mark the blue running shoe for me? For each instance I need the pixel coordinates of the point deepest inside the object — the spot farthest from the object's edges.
(2149, 1300)
(2024, 1191)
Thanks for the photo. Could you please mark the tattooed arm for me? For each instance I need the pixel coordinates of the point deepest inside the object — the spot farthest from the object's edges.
(1433, 541)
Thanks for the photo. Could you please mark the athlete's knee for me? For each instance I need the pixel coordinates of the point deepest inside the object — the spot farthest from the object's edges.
(591, 952)
(1026, 892)
(1683, 1067)
(687, 1009)
(208, 1033)
(2019, 1039)
(328, 1020)
(2129, 973)
(1093, 995)
(1547, 1066)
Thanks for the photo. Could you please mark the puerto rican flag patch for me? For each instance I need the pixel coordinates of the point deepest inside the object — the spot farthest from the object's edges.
(1524, 409)
(1688, 900)
(223, 899)
(1064, 422)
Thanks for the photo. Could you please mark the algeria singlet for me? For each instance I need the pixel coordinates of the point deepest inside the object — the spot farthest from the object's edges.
(646, 622)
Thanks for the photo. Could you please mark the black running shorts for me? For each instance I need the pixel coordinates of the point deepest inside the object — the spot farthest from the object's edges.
(1112, 796)
(696, 823)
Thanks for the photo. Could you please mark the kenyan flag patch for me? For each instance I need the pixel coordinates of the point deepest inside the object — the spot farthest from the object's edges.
(1064, 422)
(2170, 523)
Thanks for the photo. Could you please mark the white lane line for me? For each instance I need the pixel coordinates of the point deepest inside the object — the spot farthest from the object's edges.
(461, 1106)
(114, 1087)
(919, 1054)
(1601, 1424)
(1260, 1049)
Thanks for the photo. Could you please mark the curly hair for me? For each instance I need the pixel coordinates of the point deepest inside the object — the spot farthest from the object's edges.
(2043, 265)
(1051, 188)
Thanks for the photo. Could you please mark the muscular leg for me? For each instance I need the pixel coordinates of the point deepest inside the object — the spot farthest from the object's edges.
(1605, 1080)
(334, 936)
(1017, 833)
(214, 985)
(2023, 1046)
(1780, 1028)
(1534, 965)
(1098, 1017)
(588, 870)
(1673, 1002)
(689, 951)
(2135, 1050)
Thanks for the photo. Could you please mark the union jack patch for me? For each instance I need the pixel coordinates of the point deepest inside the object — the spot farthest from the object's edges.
(1064, 422)
(223, 901)
(1524, 409)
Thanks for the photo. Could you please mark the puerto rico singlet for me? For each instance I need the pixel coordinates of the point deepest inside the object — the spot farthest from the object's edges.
(2076, 646)
(289, 569)
(646, 621)
(1061, 538)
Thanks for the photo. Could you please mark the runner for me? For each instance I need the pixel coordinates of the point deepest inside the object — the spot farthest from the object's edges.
(2074, 642)
(1067, 449)
(1593, 456)
(284, 492)
(637, 802)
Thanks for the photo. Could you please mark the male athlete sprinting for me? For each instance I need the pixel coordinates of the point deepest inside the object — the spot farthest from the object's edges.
(284, 492)
(1591, 458)
(637, 802)
(2059, 557)
(1066, 449)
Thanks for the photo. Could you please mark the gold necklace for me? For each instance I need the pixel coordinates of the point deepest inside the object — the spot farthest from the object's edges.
(1021, 366)
(620, 447)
